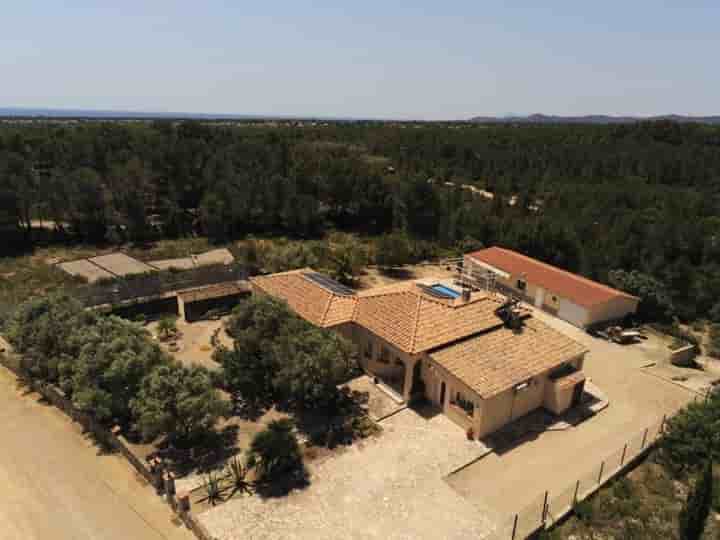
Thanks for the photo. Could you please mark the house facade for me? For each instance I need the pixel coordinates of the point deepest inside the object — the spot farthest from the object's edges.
(426, 340)
(571, 297)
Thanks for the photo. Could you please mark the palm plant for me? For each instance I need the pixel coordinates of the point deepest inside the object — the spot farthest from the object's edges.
(238, 472)
(212, 488)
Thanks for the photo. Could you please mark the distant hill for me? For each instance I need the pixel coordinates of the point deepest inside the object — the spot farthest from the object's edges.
(98, 114)
(591, 119)
(27, 112)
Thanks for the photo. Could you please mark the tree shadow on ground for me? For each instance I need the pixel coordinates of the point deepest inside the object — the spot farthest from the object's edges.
(341, 425)
(396, 272)
(426, 409)
(203, 455)
(281, 487)
(251, 411)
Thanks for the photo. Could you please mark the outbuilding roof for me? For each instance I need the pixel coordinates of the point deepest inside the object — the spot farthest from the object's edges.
(495, 361)
(579, 290)
(218, 290)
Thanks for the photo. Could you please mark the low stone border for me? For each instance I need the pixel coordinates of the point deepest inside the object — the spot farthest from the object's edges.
(154, 472)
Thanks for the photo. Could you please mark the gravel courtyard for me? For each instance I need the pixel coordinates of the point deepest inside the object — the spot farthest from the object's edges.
(389, 487)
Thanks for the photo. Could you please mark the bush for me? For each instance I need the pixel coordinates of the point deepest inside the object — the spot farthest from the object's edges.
(584, 511)
(714, 345)
(275, 452)
(690, 435)
(697, 507)
(167, 327)
(177, 401)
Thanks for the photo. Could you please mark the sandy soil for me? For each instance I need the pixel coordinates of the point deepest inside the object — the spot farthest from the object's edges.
(373, 277)
(56, 483)
(194, 341)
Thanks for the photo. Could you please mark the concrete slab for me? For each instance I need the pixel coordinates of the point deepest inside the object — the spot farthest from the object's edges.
(215, 256)
(84, 268)
(185, 263)
(121, 264)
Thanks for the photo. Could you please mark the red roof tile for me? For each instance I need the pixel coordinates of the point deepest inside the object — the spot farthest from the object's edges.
(580, 290)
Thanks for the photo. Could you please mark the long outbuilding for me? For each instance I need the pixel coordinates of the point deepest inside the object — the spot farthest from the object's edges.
(570, 297)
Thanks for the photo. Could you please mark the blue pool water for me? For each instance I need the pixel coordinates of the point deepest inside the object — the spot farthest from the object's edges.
(447, 291)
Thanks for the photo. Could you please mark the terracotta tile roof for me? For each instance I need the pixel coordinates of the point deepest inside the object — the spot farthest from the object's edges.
(578, 289)
(314, 303)
(495, 361)
(413, 321)
(213, 291)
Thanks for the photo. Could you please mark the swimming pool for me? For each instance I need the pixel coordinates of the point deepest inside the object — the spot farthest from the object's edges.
(447, 291)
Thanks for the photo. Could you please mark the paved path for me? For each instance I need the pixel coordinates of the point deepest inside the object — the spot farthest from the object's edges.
(56, 486)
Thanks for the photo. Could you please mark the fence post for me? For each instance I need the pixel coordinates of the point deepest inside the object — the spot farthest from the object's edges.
(602, 466)
(622, 459)
(514, 527)
(545, 507)
(644, 438)
(577, 488)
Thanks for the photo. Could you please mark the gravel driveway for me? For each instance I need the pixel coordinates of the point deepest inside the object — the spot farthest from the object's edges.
(389, 487)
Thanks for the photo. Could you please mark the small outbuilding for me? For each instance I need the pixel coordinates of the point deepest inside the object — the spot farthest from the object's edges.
(194, 304)
(571, 297)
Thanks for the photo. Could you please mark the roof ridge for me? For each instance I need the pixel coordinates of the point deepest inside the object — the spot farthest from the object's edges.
(323, 317)
(416, 320)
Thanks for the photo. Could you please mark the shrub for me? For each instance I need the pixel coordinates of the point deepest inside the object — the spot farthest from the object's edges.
(238, 472)
(623, 488)
(690, 435)
(275, 452)
(212, 488)
(697, 507)
(584, 511)
(167, 327)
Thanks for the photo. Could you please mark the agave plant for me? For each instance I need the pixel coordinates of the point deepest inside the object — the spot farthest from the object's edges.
(212, 488)
(238, 472)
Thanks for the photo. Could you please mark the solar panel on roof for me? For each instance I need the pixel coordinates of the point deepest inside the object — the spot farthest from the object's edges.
(329, 284)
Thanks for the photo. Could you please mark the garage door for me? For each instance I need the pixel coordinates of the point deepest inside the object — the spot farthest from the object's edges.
(572, 313)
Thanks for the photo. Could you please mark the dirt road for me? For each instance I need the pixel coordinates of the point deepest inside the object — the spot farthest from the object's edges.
(55, 485)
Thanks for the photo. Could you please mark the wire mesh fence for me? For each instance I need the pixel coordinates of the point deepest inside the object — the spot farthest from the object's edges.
(156, 284)
(548, 507)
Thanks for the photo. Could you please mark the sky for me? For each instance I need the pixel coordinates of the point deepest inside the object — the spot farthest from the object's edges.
(419, 59)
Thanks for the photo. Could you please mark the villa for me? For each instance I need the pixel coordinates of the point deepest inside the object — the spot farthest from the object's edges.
(482, 359)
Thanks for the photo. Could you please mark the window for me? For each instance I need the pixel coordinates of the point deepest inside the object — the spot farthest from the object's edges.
(384, 357)
(554, 298)
(369, 349)
(465, 404)
(521, 284)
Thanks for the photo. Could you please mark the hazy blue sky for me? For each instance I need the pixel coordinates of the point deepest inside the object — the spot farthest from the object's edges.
(413, 59)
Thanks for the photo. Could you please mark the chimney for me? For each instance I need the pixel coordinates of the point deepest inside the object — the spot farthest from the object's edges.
(466, 294)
